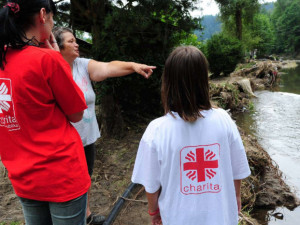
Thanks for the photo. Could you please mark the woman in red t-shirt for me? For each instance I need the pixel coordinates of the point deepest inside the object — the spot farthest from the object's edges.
(41, 150)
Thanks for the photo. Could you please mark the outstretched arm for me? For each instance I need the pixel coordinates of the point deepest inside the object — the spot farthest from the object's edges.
(100, 70)
(153, 207)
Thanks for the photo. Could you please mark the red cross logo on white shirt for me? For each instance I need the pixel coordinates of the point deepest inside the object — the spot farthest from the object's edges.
(200, 169)
(203, 164)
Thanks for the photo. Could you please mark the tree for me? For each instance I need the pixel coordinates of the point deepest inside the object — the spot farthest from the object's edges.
(286, 19)
(259, 35)
(223, 54)
(143, 31)
(240, 10)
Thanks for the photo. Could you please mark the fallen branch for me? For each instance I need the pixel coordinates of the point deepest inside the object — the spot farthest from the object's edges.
(243, 217)
(133, 200)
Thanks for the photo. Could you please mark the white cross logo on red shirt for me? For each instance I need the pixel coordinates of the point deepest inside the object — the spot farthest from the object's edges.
(4, 98)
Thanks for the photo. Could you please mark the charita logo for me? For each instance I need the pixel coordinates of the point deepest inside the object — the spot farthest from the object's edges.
(4, 98)
(199, 169)
(7, 111)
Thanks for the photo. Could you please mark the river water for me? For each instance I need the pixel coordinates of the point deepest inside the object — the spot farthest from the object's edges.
(275, 122)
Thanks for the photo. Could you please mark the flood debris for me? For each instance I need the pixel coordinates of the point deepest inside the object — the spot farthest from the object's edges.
(265, 188)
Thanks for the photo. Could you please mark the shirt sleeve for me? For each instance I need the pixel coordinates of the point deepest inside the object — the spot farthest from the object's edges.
(67, 94)
(147, 167)
(239, 162)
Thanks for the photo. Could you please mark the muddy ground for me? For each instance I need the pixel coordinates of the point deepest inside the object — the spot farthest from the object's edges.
(115, 159)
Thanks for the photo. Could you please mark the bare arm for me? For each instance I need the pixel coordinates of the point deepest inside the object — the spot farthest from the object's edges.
(237, 186)
(153, 206)
(100, 70)
(75, 117)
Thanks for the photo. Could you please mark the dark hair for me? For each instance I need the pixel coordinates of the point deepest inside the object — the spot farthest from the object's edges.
(185, 87)
(58, 34)
(14, 23)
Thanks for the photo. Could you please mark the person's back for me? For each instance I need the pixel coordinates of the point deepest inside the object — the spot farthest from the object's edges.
(195, 168)
(192, 159)
(40, 149)
(34, 127)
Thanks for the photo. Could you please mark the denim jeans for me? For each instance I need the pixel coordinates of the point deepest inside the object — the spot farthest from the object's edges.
(53, 213)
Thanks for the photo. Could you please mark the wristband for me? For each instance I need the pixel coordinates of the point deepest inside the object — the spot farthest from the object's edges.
(153, 213)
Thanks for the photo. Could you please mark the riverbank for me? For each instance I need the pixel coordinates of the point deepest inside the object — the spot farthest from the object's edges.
(265, 188)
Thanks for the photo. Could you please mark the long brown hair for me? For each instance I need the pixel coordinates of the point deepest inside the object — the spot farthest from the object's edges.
(185, 87)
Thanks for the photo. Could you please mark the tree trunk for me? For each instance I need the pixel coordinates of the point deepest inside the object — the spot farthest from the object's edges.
(110, 119)
(238, 22)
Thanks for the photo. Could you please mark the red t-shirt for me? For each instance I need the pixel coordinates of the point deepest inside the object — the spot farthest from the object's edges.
(41, 150)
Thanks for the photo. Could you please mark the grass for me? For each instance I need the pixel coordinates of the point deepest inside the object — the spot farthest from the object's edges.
(245, 66)
(251, 106)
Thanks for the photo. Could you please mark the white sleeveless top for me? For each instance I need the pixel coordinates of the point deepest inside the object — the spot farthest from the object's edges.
(87, 128)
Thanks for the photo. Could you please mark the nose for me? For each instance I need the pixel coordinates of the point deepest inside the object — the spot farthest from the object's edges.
(76, 45)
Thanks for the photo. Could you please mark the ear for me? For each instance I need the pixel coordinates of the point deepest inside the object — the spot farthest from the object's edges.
(42, 15)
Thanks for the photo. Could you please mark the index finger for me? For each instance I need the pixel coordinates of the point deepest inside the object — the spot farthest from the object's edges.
(151, 67)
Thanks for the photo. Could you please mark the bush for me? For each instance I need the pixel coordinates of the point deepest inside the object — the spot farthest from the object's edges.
(223, 54)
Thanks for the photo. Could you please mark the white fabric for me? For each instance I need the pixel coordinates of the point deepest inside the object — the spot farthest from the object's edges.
(193, 192)
(87, 128)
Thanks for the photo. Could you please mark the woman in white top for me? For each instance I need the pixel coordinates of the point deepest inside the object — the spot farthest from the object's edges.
(191, 160)
(84, 72)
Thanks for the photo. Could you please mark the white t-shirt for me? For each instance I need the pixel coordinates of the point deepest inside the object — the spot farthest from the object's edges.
(195, 164)
(87, 128)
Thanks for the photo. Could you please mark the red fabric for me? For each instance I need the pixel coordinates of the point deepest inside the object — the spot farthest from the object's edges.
(41, 150)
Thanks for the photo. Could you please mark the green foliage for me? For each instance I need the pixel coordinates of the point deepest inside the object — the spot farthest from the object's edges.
(84, 36)
(239, 11)
(62, 18)
(223, 54)
(286, 19)
(251, 106)
(144, 32)
(188, 39)
(245, 66)
(259, 35)
(256, 28)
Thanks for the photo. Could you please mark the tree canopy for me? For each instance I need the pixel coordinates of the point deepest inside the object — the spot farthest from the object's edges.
(286, 19)
(142, 31)
(240, 10)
